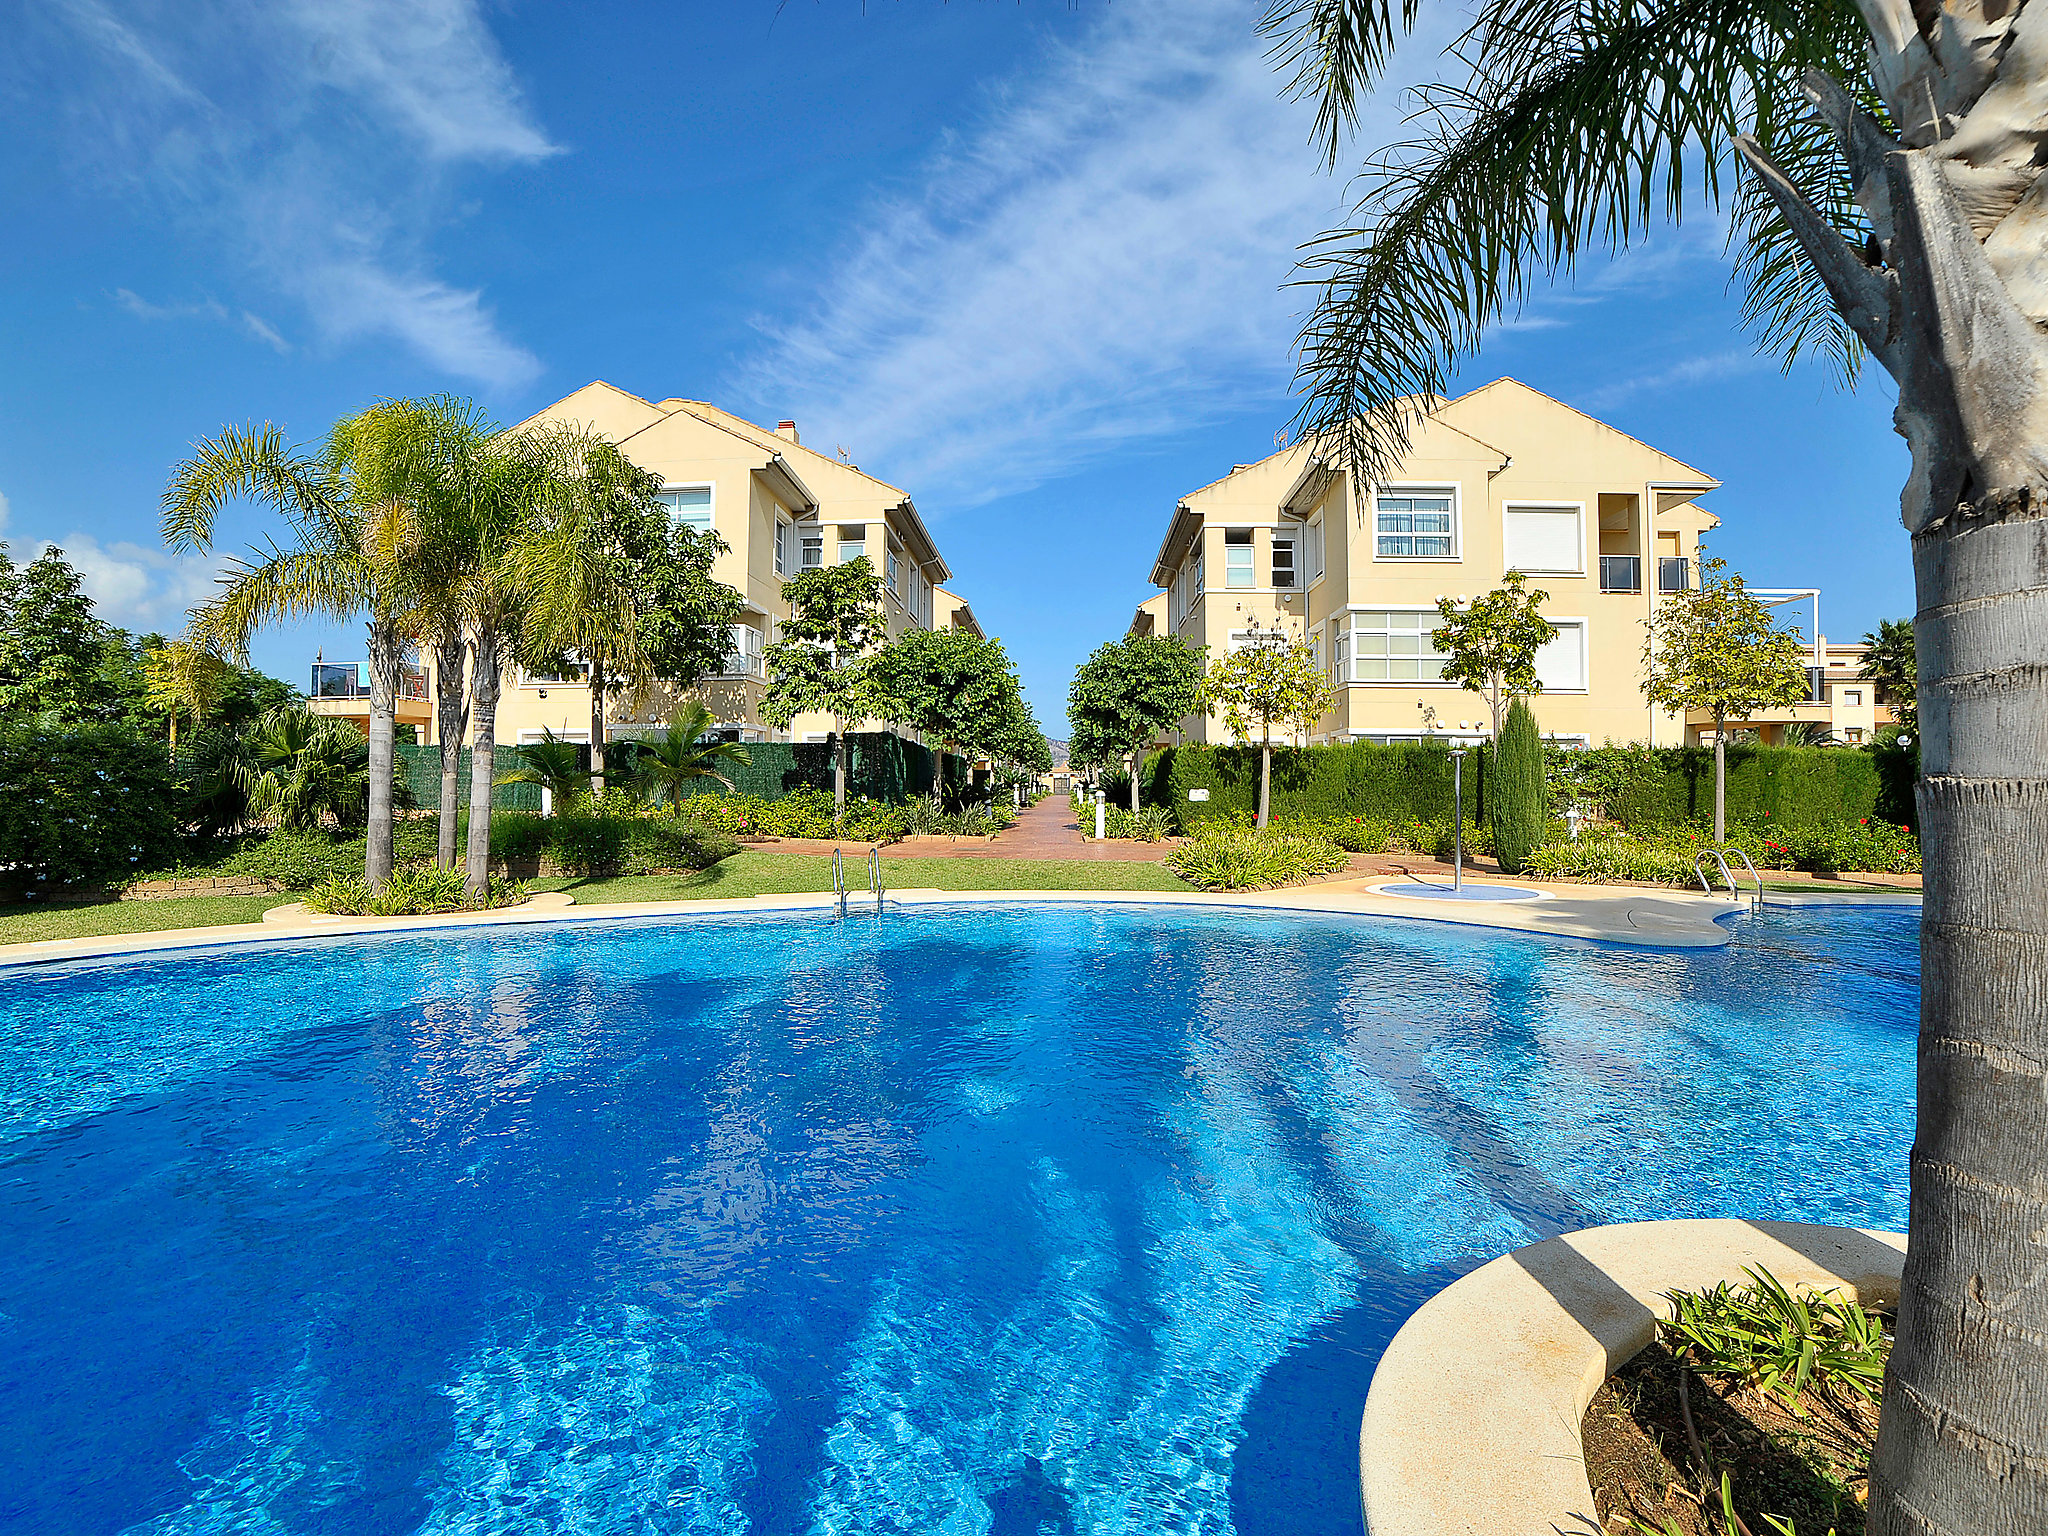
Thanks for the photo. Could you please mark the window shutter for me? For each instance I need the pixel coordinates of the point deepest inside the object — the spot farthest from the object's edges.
(1543, 539)
(1561, 663)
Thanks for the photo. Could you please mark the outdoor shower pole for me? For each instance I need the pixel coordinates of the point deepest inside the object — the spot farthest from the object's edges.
(1099, 816)
(1458, 827)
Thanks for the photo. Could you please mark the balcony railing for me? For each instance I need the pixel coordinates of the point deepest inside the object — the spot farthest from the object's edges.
(737, 666)
(344, 680)
(1674, 573)
(1621, 573)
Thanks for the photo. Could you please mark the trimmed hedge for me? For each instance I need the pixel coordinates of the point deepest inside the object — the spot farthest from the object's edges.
(1640, 787)
(1359, 778)
(885, 767)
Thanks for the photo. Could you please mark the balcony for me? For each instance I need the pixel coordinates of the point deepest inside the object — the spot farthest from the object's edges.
(1621, 573)
(344, 680)
(737, 667)
(1674, 573)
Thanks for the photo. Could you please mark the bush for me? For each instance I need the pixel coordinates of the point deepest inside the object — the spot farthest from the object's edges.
(1615, 855)
(1361, 779)
(1666, 856)
(1518, 801)
(81, 805)
(410, 893)
(1871, 845)
(297, 860)
(1356, 834)
(1223, 856)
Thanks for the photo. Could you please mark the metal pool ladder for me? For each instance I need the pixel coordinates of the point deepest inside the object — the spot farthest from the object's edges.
(1756, 900)
(874, 880)
(839, 879)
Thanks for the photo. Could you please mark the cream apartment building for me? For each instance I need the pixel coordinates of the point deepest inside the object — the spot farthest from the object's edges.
(780, 507)
(1504, 478)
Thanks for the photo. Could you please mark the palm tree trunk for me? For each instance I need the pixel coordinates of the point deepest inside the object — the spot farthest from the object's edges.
(1137, 758)
(385, 644)
(1963, 1444)
(483, 715)
(450, 720)
(1720, 777)
(596, 726)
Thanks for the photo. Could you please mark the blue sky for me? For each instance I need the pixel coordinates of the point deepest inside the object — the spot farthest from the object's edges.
(1028, 260)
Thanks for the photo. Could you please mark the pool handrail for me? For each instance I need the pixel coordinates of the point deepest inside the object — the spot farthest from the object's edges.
(1719, 856)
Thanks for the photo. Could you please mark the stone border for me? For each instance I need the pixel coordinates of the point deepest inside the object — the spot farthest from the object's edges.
(1471, 1426)
(1640, 918)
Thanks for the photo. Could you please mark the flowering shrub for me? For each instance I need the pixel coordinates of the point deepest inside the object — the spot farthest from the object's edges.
(1667, 857)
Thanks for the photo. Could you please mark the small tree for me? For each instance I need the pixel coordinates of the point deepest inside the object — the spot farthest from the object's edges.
(552, 763)
(1129, 691)
(821, 662)
(50, 641)
(953, 685)
(1717, 648)
(1516, 800)
(1492, 643)
(1266, 681)
(1891, 666)
(179, 678)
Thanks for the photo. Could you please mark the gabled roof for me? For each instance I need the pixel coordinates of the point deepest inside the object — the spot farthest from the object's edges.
(1687, 474)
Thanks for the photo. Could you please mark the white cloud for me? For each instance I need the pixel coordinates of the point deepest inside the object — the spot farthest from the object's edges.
(4, 510)
(204, 309)
(313, 142)
(1703, 369)
(1101, 257)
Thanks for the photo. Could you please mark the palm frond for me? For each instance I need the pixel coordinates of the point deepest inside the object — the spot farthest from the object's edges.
(1570, 127)
(251, 462)
(280, 584)
(1334, 51)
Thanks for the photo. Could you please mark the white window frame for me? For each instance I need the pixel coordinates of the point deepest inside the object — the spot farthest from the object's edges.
(1853, 697)
(784, 530)
(1537, 506)
(534, 680)
(1249, 566)
(810, 536)
(895, 561)
(1352, 657)
(710, 510)
(1585, 629)
(533, 735)
(841, 541)
(1291, 541)
(1420, 488)
(1312, 539)
(1196, 569)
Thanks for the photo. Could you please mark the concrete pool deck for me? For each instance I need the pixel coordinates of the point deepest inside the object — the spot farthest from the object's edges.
(1642, 916)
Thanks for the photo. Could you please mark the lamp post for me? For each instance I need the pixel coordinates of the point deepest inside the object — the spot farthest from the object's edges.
(1458, 825)
(1100, 816)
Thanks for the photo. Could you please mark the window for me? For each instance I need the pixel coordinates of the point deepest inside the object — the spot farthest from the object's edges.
(1283, 561)
(1852, 696)
(1313, 537)
(1340, 651)
(1546, 539)
(1237, 559)
(743, 658)
(782, 537)
(814, 546)
(1198, 573)
(1413, 525)
(853, 543)
(528, 737)
(689, 505)
(1393, 645)
(1561, 663)
(895, 564)
(570, 671)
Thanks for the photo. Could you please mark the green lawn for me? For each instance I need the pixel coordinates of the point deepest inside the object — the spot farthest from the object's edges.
(750, 873)
(755, 873)
(50, 920)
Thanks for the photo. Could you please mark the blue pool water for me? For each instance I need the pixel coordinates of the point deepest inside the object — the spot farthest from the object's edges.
(1016, 1221)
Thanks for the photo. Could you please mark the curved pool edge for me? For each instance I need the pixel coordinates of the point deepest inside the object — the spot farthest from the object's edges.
(1642, 917)
(1471, 1425)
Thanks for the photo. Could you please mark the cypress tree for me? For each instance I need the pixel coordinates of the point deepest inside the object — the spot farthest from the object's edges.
(1516, 796)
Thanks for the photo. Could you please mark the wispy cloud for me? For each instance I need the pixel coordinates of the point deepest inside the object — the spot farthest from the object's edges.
(204, 309)
(1102, 256)
(1706, 368)
(313, 143)
(138, 587)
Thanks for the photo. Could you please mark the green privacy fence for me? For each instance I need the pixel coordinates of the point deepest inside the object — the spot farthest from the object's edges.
(885, 768)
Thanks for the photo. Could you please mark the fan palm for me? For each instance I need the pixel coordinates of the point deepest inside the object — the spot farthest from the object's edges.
(301, 771)
(1891, 204)
(678, 760)
(1889, 664)
(552, 763)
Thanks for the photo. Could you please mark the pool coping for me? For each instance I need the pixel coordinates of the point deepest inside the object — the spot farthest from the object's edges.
(1471, 1425)
(1639, 916)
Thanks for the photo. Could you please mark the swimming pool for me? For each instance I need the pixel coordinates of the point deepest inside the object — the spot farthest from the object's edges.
(1022, 1220)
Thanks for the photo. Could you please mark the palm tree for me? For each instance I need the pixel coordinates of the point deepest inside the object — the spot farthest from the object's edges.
(678, 760)
(1810, 733)
(335, 567)
(552, 763)
(1890, 207)
(1889, 663)
(180, 678)
(301, 771)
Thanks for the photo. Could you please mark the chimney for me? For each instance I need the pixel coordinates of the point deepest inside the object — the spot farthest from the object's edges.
(787, 429)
